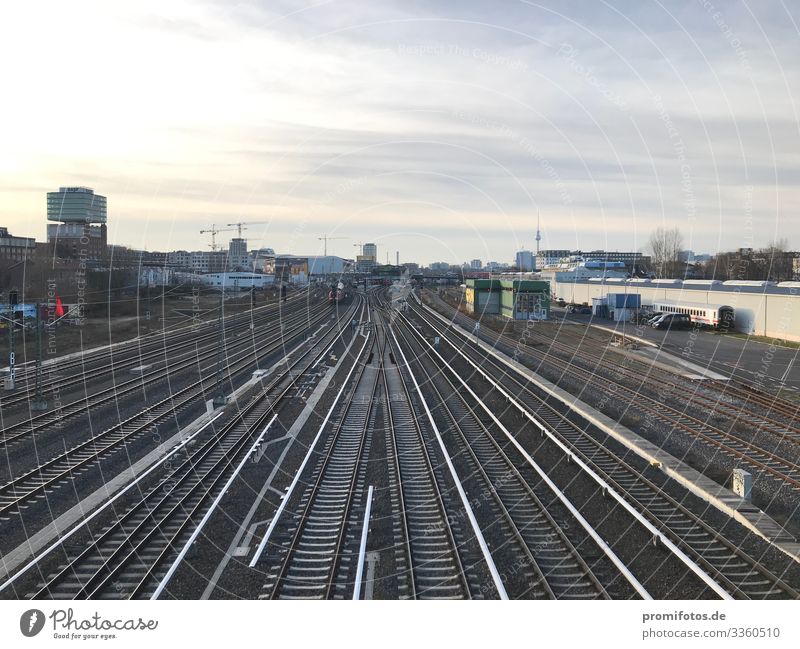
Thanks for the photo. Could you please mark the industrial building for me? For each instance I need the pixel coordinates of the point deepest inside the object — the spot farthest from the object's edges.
(576, 268)
(761, 309)
(365, 264)
(620, 307)
(291, 269)
(238, 281)
(517, 299)
(327, 265)
(15, 249)
(634, 262)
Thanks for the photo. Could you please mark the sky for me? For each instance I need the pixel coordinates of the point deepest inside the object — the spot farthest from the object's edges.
(436, 129)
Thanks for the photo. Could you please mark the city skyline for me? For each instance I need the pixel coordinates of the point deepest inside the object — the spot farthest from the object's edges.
(268, 113)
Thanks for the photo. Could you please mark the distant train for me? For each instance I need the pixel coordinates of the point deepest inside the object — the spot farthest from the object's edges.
(337, 294)
(712, 315)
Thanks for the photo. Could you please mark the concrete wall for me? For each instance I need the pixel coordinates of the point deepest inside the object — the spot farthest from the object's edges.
(775, 316)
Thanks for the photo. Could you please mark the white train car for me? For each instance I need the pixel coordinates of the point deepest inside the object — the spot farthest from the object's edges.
(710, 315)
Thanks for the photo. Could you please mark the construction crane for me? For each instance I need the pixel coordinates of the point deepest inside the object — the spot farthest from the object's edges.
(326, 238)
(241, 224)
(360, 247)
(214, 231)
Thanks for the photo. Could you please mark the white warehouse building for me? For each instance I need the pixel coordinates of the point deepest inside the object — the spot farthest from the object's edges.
(760, 308)
(238, 281)
(326, 265)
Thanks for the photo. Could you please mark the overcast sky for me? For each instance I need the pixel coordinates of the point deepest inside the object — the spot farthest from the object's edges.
(436, 128)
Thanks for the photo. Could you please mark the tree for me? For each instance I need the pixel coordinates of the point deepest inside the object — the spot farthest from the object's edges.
(778, 261)
(665, 249)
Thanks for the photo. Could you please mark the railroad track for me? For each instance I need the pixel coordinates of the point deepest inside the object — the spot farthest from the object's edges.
(428, 540)
(96, 363)
(749, 394)
(312, 555)
(595, 357)
(72, 462)
(739, 574)
(757, 458)
(546, 563)
(129, 557)
(321, 537)
(242, 347)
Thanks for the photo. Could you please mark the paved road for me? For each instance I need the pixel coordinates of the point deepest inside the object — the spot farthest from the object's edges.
(760, 364)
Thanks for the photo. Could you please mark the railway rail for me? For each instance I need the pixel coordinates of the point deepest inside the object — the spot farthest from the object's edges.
(130, 556)
(65, 466)
(322, 529)
(548, 564)
(594, 355)
(97, 363)
(757, 458)
(739, 574)
(241, 346)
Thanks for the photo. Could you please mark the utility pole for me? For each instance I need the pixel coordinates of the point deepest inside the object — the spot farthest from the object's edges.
(219, 399)
(12, 323)
(147, 313)
(39, 402)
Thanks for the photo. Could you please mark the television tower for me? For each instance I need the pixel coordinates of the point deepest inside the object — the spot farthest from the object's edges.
(538, 233)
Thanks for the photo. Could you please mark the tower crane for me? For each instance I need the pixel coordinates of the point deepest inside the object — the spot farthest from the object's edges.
(214, 231)
(241, 225)
(326, 238)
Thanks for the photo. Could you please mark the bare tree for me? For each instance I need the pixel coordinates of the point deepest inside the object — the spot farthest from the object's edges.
(666, 245)
(778, 261)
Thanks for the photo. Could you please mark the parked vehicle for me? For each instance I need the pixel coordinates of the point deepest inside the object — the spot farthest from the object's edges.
(720, 316)
(673, 321)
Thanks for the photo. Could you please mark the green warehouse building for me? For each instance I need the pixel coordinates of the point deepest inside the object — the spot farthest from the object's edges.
(518, 299)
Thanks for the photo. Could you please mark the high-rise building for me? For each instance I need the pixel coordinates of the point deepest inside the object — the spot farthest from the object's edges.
(524, 260)
(237, 254)
(475, 264)
(77, 211)
(370, 250)
(76, 205)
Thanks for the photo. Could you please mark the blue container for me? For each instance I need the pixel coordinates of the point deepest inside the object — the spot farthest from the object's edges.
(624, 300)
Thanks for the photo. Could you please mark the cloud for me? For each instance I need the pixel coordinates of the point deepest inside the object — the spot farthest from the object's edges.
(456, 120)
